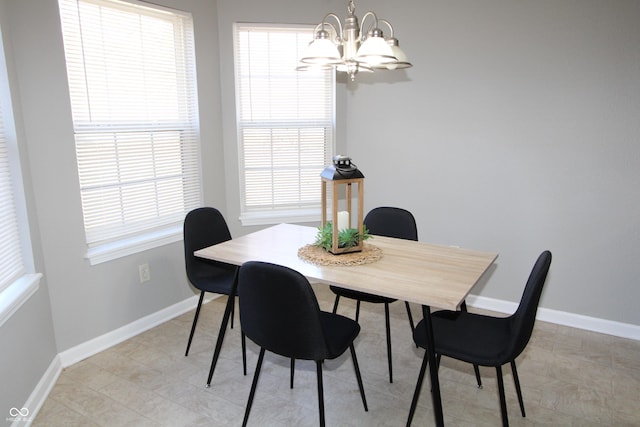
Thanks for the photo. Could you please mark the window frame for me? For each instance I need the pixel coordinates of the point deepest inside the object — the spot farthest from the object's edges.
(272, 214)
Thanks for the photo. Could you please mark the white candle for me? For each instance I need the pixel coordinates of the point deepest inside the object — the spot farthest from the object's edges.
(343, 220)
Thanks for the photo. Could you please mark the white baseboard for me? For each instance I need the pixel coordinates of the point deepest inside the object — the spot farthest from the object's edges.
(609, 327)
(40, 393)
(98, 344)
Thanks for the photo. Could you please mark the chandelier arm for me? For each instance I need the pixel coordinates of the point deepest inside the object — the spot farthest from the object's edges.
(363, 33)
(384, 21)
(325, 21)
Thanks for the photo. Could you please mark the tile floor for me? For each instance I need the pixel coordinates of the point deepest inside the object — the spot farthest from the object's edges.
(569, 377)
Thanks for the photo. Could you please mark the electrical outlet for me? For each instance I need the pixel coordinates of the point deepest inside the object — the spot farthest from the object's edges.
(144, 272)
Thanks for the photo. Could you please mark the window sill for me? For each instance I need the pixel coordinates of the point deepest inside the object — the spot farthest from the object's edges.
(133, 245)
(12, 298)
(277, 217)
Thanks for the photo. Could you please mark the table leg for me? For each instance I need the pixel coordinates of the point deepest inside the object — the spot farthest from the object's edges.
(223, 327)
(433, 367)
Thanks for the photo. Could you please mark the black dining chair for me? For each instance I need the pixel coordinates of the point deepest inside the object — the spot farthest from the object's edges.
(486, 340)
(280, 313)
(204, 227)
(389, 222)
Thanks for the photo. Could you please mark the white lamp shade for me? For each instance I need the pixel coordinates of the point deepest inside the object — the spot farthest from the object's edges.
(375, 51)
(402, 62)
(321, 52)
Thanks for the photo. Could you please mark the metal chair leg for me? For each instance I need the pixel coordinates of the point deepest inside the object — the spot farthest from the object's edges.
(243, 341)
(416, 393)
(253, 387)
(335, 304)
(357, 310)
(388, 325)
(476, 369)
(320, 392)
(410, 316)
(358, 376)
(195, 321)
(503, 400)
(293, 369)
(516, 380)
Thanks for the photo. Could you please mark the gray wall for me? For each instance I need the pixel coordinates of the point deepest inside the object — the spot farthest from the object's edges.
(27, 344)
(516, 131)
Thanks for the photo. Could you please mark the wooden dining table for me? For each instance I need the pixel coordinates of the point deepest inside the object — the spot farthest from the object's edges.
(427, 274)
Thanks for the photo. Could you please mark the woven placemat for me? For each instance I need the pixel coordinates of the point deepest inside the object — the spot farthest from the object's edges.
(318, 256)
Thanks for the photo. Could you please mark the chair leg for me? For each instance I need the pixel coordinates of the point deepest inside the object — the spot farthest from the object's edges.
(357, 310)
(503, 400)
(516, 380)
(335, 304)
(320, 392)
(476, 369)
(388, 325)
(358, 376)
(243, 340)
(233, 311)
(410, 316)
(253, 387)
(195, 321)
(293, 369)
(416, 393)
(438, 358)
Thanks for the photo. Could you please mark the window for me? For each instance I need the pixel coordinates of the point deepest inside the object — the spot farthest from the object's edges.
(17, 283)
(11, 265)
(131, 71)
(285, 121)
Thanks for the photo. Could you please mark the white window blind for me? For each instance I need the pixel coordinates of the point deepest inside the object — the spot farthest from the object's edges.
(132, 82)
(11, 264)
(285, 121)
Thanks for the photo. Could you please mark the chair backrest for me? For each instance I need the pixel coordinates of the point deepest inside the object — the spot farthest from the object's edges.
(523, 319)
(280, 312)
(203, 227)
(392, 222)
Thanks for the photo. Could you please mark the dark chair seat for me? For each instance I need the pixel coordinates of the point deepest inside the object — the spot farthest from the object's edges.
(340, 332)
(215, 280)
(469, 337)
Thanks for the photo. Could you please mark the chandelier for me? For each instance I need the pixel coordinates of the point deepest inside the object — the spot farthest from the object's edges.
(350, 48)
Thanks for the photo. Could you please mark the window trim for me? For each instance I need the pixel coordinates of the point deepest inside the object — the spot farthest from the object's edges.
(17, 293)
(132, 245)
